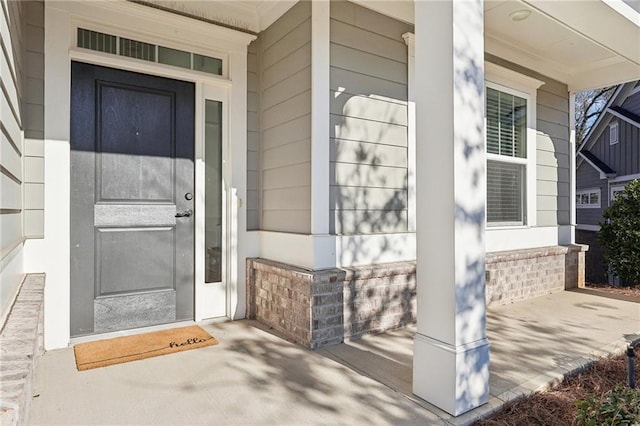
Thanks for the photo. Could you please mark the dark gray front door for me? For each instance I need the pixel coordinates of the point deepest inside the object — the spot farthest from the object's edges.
(132, 180)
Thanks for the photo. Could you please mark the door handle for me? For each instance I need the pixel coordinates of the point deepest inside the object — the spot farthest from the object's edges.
(186, 213)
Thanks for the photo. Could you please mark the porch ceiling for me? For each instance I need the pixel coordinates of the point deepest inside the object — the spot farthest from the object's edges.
(583, 43)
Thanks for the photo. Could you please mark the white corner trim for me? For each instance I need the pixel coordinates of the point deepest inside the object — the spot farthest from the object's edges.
(526, 237)
(320, 117)
(500, 75)
(572, 164)
(357, 250)
(409, 39)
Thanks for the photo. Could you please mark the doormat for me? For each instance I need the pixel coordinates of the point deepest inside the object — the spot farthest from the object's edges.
(130, 348)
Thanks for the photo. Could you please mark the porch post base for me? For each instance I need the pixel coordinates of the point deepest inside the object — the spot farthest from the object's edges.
(453, 378)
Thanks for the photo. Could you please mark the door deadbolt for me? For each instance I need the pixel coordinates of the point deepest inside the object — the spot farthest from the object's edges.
(188, 196)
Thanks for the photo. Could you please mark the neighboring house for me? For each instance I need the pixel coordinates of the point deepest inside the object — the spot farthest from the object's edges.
(293, 162)
(606, 161)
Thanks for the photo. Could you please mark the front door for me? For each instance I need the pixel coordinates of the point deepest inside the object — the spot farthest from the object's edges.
(132, 186)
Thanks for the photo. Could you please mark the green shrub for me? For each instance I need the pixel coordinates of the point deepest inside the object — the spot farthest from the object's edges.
(619, 235)
(618, 407)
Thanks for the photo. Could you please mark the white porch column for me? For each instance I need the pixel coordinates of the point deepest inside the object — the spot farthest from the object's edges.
(451, 353)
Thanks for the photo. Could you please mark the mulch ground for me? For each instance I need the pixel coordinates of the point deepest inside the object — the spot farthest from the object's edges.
(557, 406)
(633, 291)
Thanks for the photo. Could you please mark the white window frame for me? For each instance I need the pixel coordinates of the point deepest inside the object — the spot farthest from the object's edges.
(514, 83)
(614, 130)
(588, 192)
(613, 189)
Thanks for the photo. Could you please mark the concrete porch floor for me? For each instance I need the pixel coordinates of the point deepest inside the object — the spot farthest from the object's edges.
(254, 377)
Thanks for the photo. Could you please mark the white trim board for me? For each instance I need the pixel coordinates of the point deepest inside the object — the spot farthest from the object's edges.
(501, 239)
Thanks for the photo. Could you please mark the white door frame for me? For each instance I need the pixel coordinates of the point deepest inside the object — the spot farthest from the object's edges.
(148, 24)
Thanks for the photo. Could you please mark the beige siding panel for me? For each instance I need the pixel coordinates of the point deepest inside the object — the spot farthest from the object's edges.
(7, 80)
(359, 83)
(560, 103)
(11, 196)
(252, 120)
(370, 176)
(287, 177)
(252, 198)
(34, 65)
(253, 141)
(252, 101)
(551, 203)
(290, 65)
(553, 174)
(9, 158)
(552, 218)
(546, 158)
(297, 106)
(367, 131)
(555, 131)
(287, 22)
(253, 220)
(252, 160)
(294, 85)
(286, 155)
(294, 40)
(366, 63)
(367, 19)
(8, 120)
(252, 82)
(365, 198)
(552, 188)
(252, 180)
(292, 131)
(33, 223)
(34, 120)
(34, 196)
(34, 147)
(11, 229)
(369, 221)
(346, 151)
(369, 107)
(367, 41)
(545, 143)
(551, 115)
(295, 221)
(298, 198)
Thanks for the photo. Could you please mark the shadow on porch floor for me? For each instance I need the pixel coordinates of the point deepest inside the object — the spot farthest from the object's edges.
(254, 377)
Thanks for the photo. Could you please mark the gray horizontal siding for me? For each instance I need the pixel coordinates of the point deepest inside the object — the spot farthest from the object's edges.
(253, 135)
(12, 96)
(34, 121)
(552, 147)
(279, 125)
(368, 121)
(588, 178)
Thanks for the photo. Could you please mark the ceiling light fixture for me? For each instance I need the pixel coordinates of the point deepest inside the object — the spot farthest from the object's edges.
(520, 15)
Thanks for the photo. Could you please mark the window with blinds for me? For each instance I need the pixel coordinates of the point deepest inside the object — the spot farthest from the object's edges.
(506, 158)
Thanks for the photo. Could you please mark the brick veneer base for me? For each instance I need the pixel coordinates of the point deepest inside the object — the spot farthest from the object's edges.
(522, 274)
(324, 307)
(21, 341)
(319, 308)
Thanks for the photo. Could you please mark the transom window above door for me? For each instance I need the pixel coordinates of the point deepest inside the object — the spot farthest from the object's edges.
(121, 46)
